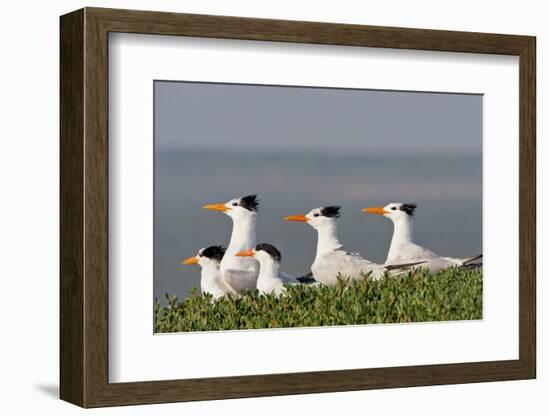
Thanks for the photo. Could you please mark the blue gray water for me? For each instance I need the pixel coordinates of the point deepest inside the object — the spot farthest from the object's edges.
(447, 188)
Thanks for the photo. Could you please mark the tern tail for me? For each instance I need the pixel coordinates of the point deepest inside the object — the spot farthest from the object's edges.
(306, 278)
(469, 260)
(403, 266)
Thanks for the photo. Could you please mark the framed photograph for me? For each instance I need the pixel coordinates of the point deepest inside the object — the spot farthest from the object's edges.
(238, 198)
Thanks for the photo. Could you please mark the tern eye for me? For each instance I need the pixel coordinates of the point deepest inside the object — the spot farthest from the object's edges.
(316, 215)
(234, 204)
(393, 208)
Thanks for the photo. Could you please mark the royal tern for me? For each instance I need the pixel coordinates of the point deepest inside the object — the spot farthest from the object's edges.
(209, 259)
(270, 279)
(240, 273)
(331, 258)
(403, 248)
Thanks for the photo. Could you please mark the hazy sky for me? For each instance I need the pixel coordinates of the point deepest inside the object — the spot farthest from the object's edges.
(308, 147)
(237, 116)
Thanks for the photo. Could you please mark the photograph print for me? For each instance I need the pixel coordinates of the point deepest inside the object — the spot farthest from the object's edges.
(282, 206)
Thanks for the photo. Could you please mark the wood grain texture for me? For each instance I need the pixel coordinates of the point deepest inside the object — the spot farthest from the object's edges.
(71, 100)
(96, 208)
(527, 208)
(162, 23)
(84, 207)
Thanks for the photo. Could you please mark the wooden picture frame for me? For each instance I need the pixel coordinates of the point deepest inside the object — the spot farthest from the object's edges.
(84, 207)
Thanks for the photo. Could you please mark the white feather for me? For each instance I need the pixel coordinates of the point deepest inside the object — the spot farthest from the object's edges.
(403, 249)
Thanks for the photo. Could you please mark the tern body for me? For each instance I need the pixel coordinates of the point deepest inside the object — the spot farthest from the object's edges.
(402, 247)
(240, 273)
(209, 259)
(270, 279)
(331, 258)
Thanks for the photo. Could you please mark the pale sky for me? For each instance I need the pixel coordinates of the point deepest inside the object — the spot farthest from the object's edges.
(312, 147)
(254, 117)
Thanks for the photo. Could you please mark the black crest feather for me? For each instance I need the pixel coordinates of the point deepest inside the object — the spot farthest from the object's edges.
(332, 211)
(213, 252)
(408, 208)
(250, 202)
(269, 249)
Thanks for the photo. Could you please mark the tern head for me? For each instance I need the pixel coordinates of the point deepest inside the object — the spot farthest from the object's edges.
(207, 256)
(394, 210)
(263, 252)
(245, 206)
(318, 217)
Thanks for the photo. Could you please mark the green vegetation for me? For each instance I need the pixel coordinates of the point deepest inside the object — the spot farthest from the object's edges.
(448, 295)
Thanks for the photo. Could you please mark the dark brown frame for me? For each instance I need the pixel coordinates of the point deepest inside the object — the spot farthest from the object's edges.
(84, 208)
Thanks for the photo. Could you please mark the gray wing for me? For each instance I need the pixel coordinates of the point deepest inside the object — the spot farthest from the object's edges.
(241, 280)
(348, 265)
(306, 279)
(396, 268)
(413, 252)
(474, 262)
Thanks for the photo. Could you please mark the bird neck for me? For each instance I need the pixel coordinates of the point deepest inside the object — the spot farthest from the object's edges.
(210, 273)
(327, 238)
(243, 236)
(213, 266)
(268, 270)
(402, 234)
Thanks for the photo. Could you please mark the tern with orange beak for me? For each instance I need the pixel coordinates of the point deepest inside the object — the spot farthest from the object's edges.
(331, 258)
(240, 273)
(270, 279)
(209, 259)
(403, 248)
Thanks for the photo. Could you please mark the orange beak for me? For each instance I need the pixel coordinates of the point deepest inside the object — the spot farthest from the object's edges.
(245, 253)
(300, 218)
(216, 207)
(375, 210)
(191, 260)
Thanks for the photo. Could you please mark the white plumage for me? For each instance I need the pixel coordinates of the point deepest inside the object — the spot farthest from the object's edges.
(402, 247)
(211, 281)
(270, 278)
(328, 265)
(239, 273)
(331, 258)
